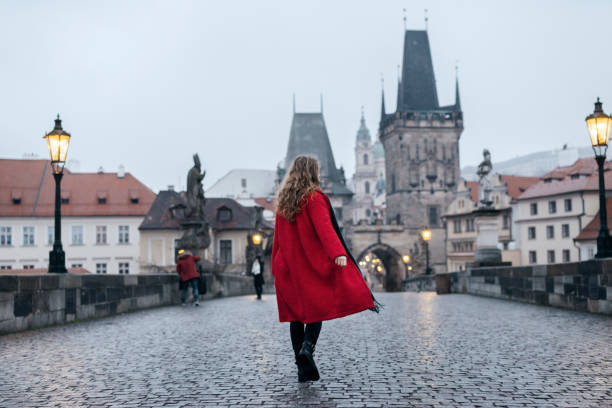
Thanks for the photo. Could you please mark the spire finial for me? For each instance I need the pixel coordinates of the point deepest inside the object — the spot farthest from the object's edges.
(457, 70)
(361, 111)
(426, 20)
(405, 28)
(294, 102)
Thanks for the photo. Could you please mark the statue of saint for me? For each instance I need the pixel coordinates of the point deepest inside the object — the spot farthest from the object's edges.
(195, 191)
(484, 180)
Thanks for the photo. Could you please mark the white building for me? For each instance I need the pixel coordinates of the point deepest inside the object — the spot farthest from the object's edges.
(555, 210)
(101, 213)
(244, 184)
(369, 179)
(586, 241)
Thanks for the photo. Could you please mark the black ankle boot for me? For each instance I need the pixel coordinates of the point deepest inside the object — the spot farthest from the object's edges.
(301, 377)
(306, 361)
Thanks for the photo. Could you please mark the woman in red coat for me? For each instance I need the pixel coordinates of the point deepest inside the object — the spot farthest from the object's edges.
(316, 277)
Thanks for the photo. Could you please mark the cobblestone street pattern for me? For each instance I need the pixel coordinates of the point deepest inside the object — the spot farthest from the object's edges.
(422, 350)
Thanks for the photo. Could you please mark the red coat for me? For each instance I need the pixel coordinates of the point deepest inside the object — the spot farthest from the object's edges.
(310, 287)
(186, 267)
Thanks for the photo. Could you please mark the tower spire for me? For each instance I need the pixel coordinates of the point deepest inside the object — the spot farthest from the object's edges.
(426, 20)
(399, 90)
(383, 112)
(457, 99)
(405, 27)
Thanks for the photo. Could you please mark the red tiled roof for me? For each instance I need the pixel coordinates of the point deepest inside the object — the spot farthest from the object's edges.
(590, 232)
(32, 181)
(515, 186)
(263, 202)
(562, 180)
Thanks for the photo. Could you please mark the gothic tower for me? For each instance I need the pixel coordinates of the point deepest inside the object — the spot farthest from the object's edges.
(421, 143)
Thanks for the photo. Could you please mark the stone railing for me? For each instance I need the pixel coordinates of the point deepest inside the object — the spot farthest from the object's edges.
(583, 286)
(33, 301)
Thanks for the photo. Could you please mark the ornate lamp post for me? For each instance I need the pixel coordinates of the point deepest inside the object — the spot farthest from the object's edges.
(599, 125)
(426, 235)
(57, 142)
(256, 238)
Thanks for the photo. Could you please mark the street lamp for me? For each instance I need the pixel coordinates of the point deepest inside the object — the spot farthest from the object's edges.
(57, 142)
(426, 235)
(406, 260)
(599, 125)
(256, 238)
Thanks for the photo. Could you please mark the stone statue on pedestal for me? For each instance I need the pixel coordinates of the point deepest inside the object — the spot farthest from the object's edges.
(484, 181)
(196, 236)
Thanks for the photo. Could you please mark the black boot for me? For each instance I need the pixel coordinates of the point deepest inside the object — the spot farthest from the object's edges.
(301, 377)
(306, 361)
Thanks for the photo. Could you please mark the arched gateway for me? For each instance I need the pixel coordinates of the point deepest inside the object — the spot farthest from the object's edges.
(395, 270)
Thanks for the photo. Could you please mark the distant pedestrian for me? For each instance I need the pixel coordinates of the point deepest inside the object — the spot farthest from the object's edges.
(258, 280)
(188, 273)
(315, 275)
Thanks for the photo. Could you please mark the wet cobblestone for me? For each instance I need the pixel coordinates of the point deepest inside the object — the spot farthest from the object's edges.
(423, 350)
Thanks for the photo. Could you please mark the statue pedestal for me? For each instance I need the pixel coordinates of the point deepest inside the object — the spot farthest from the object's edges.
(487, 228)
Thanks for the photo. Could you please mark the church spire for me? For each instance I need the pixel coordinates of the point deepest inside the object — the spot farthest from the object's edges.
(383, 111)
(457, 99)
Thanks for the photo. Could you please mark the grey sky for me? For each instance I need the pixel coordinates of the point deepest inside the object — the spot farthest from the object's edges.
(146, 84)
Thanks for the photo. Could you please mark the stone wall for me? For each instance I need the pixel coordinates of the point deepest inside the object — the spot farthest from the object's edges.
(33, 301)
(583, 286)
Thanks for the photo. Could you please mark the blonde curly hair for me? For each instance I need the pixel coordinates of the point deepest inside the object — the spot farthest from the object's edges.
(301, 181)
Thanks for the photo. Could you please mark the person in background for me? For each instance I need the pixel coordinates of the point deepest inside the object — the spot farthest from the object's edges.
(257, 271)
(188, 273)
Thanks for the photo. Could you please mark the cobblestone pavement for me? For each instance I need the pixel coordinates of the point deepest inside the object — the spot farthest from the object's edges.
(422, 350)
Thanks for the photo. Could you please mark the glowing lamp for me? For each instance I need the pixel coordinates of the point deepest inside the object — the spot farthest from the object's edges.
(379, 268)
(599, 125)
(256, 239)
(406, 258)
(57, 142)
(426, 234)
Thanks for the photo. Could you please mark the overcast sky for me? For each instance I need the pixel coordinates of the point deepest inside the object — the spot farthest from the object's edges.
(147, 83)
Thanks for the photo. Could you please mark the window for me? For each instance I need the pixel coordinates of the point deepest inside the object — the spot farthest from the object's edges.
(124, 268)
(5, 267)
(506, 222)
(28, 266)
(457, 226)
(76, 265)
(565, 230)
(65, 200)
(367, 187)
(434, 216)
(469, 225)
(243, 183)
(461, 203)
(393, 183)
(591, 253)
(550, 256)
(28, 236)
(552, 207)
(338, 212)
(550, 231)
(6, 236)
(101, 200)
(365, 159)
(77, 235)
(224, 214)
(532, 257)
(533, 208)
(566, 255)
(225, 251)
(101, 268)
(124, 234)
(100, 234)
(50, 235)
(398, 219)
(531, 233)
(368, 212)
(568, 204)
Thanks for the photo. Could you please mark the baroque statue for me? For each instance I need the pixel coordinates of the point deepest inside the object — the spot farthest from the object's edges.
(484, 181)
(195, 191)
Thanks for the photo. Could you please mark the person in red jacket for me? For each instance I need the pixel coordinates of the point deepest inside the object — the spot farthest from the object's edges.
(188, 273)
(315, 275)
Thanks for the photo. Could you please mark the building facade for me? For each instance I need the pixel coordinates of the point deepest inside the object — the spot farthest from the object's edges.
(369, 178)
(421, 144)
(555, 210)
(101, 213)
(460, 224)
(230, 225)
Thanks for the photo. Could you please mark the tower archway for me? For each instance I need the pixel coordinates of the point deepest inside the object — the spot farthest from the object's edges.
(392, 270)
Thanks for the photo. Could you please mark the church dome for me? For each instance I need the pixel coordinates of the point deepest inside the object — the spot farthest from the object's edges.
(379, 150)
(363, 134)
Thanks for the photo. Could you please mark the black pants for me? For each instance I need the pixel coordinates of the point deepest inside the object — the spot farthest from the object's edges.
(299, 334)
(258, 281)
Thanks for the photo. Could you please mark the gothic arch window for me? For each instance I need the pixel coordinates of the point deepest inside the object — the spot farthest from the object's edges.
(408, 151)
(417, 151)
(443, 152)
(365, 159)
(398, 219)
(368, 212)
(367, 187)
(393, 183)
